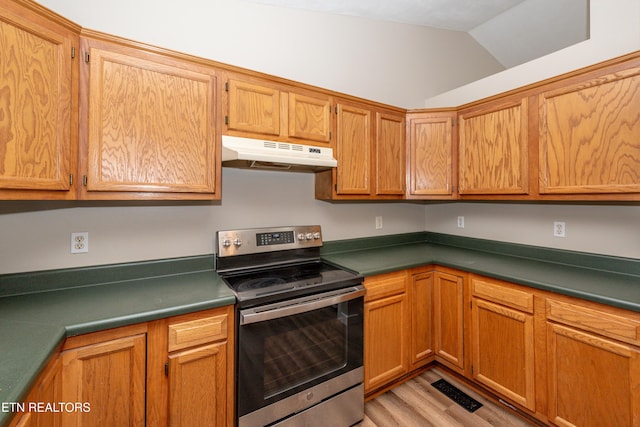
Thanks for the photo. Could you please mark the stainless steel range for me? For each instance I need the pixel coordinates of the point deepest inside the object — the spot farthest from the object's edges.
(299, 329)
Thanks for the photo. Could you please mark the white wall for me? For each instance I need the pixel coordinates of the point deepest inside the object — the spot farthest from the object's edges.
(387, 62)
(614, 31)
(40, 239)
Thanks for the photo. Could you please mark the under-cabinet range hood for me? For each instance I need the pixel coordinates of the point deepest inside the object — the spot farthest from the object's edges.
(273, 155)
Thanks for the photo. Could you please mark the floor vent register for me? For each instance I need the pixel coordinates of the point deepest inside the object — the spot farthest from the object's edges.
(457, 395)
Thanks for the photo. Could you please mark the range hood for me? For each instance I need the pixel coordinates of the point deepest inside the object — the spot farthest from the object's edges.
(273, 155)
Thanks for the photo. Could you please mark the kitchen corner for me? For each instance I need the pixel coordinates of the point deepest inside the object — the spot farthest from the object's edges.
(63, 303)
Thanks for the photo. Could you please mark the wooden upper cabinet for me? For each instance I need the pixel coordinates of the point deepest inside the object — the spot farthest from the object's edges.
(431, 155)
(253, 108)
(309, 118)
(371, 154)
(148, 125)
(261, 109)
(493, 151)
(353, 150)
(590, 135)
(390, 154)
(38, 107)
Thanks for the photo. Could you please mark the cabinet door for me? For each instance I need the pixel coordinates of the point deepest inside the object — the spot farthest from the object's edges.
(494, 150)
(503, 351)
(421, 300)
(593, 381)
(590, 136)
(110, 378)
(46, 392)
(353, 150)
(448, 299)
(431, 155)
(309, 118)
(253, 108)
(198, 386)
(390, 154)
(38, 139)
(386, 326)
(150, 124)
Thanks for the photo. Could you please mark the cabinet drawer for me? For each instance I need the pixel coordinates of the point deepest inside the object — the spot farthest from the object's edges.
(199, 331)
(385, 285)
(504, 295)
(600, 322)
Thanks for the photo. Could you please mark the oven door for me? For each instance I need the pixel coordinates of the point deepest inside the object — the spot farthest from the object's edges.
(294, 354)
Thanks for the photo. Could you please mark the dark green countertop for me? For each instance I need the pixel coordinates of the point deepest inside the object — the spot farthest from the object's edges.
(610, 280)
(38, 310)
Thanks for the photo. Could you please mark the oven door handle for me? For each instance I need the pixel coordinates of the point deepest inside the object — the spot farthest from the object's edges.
(301, 305)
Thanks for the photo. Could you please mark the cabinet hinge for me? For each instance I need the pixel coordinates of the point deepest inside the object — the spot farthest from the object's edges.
(166, 369)
(330, 136)
(86, 57)
(226, 86)
(226, 120)
(470, 305)
(70, 179)
(84, 180)
(336, 109)
(73, 52)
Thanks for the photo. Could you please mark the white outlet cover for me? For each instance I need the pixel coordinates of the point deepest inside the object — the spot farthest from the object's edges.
(79, 242)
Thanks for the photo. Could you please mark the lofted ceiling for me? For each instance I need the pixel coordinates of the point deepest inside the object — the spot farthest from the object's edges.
(509, 29)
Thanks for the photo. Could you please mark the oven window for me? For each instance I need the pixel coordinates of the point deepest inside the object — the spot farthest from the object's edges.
(303, 347)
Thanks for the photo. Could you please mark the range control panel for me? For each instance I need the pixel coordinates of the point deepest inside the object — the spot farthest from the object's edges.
(259, 240)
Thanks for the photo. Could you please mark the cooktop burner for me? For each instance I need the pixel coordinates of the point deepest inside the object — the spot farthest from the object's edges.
(279, 283)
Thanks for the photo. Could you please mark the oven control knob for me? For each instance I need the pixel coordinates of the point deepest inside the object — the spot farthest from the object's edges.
(237, 242)
(309, 236)
(301, 236)
(316, 235)
(226, 243)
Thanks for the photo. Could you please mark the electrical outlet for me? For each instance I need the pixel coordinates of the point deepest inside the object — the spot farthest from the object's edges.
(559, 229)
(79, 242)
(378, 222)
(460, 222)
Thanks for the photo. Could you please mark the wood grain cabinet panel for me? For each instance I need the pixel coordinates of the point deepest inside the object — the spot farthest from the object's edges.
(262, 109)
(38, 106)
(503, 351)
(448, 300)
(431, 156)
(421, 301)
(198, 386)
(353, 150)
(493, 151)
(149, 124)
(593, 381)
(390, 154)
(309, 118)
(110, 377)
(590, 136)
(253, 108)
(386, 329)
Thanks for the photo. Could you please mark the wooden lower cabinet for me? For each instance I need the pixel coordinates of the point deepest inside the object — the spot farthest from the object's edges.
(448, 319)
(109, 377)
(197, 386)
(421, 302)
(502, 340)
(199, 369)
(386, 330)
(593, 381)
(170, 372)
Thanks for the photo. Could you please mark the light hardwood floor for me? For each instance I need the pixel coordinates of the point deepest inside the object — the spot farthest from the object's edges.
(416, 403)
